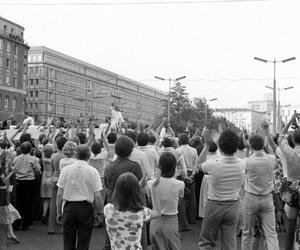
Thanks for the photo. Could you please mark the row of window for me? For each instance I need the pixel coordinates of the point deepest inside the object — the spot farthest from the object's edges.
(6, 104)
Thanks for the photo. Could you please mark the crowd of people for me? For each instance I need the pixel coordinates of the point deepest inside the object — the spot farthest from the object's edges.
(146, 186)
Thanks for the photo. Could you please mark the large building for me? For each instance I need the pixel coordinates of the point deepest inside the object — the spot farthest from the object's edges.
(62, 86)
(243, 118)
(13, 70)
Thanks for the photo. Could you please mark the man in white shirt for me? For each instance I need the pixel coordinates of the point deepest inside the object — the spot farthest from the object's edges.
(258, 200)
(222, 209)
(152, 155)
(79, 185)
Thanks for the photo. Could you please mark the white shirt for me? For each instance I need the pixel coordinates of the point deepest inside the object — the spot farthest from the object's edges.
(65, 162)
(225, 177)
(190, 157)
(79, 182)
(153, 158)
(169, 191)
(141, 158)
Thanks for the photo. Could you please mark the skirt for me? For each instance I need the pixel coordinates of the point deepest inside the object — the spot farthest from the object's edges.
(8, 214)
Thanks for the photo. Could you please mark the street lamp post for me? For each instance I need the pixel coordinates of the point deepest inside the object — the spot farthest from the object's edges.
(169, 95)
(206, 108)
(279, 105)
(274, 83)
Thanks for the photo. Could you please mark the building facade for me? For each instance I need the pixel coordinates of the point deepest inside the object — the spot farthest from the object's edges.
(62, 86)
(243, 118)
(13, 70)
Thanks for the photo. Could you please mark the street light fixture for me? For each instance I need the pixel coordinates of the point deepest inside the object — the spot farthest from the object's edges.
(274, 83)
(206, 108)
(169, 94)
(279, 106)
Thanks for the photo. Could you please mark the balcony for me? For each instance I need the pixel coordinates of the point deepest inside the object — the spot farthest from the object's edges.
(12, 36)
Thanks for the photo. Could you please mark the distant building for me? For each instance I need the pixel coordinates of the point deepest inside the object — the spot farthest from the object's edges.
(62, 86)
(242, 118)
(13, 70)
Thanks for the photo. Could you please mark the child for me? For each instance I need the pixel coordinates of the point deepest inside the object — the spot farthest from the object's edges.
(46, 184)
(98, 161)
(8, 214)
(125, 216)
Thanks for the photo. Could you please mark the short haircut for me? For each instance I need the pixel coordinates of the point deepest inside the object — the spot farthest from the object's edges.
(256, 142)
(241, 144)
(111, 138)
(48, 150)
(228, 142)
(45, 141)
(152, 139)
(183, 139)
(127, 193)
(82, 137)
(124, 146)
(131, 135)
(69, 149)
(60, 142)
(41, 138)
(167, 142)
(167, 164)
(142, 139)
(213, 147)
(25, 137)
(83, 152)
(96, 148)
(296, 136)
(26, 147)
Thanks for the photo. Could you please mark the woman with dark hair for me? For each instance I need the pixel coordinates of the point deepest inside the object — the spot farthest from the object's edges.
(25, 166)
(125, 216)
(164, 233)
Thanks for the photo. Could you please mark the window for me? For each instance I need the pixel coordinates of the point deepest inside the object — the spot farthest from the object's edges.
(31, 82)
(12, 30)
(15, 65)
(7, 80)
(36, 94)
(8, 47)
(36, 106)
(1, 44)
(6, 102)
(15, 82)
(7, 62)
(5, 28)
(31, 93)
(13, 103)
(30, 105)
(36, 82)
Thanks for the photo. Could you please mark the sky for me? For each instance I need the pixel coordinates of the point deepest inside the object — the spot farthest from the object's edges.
(210, 42)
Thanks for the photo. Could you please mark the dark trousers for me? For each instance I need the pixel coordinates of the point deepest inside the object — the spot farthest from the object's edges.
(78, 221)
(24, 201)
(190, 202)
(198, 182)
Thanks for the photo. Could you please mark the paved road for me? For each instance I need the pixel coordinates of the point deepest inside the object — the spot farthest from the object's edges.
(38, 239)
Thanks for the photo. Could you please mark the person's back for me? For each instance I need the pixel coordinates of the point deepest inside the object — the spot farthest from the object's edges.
(225, 177)
(259, 173)
(122, 164)
(258, 201)
(164, 231)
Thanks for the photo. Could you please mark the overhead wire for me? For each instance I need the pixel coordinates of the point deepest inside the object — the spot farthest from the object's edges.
(125, 3)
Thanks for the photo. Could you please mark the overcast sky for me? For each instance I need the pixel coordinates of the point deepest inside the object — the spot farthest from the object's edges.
(212, 44)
